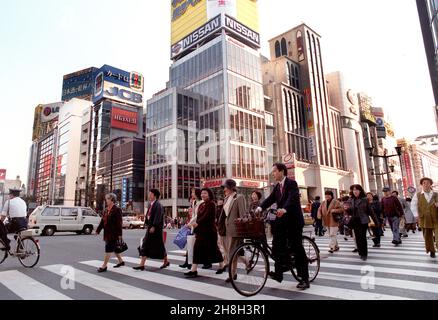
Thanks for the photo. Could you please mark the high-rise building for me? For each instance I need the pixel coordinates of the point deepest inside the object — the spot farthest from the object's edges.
(308, 127)
(428, 13)
(215, 56)
(115, 119)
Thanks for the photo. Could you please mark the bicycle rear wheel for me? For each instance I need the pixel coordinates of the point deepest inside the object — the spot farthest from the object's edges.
(3, 252)
(28, 252)
(313, 258)
(252, 269)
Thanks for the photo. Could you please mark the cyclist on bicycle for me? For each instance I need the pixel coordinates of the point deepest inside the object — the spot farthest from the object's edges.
(15, 209)
(288, 227)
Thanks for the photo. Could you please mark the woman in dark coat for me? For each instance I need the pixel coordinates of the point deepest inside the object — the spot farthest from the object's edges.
(206, 250)
(360, 211)
(153, 243)
(111, 224)
(377, 210)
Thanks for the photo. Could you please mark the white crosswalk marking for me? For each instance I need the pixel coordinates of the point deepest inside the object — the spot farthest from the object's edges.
(398, 273)
(27, 288)
(214, 291)
(114, 288)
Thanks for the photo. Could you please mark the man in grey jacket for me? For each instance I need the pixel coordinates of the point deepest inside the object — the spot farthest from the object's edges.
(235, 208)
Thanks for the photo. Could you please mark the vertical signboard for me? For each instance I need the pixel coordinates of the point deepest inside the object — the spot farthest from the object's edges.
(310, 124)
(2, 174)
(125, 190)
(290, 161)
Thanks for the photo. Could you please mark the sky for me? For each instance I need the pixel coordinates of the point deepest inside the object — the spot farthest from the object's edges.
(376, 44)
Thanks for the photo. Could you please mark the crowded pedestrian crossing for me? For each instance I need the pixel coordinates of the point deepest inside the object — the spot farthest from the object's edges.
(391, 273)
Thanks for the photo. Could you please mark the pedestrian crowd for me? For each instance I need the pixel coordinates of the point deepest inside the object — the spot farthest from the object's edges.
(209, 234)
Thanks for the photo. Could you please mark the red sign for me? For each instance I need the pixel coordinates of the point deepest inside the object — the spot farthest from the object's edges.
(250, 184)
(124, 120)
(2, 174)
(212, 184)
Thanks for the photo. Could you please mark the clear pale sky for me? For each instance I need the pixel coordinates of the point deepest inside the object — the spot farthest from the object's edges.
(377, 44)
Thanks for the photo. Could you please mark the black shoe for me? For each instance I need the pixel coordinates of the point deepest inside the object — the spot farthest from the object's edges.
(122, 264)
(101, 270)
(185, 265)
(164, 266)
(303, 285)
(191, 274)
(364, 258)
(355, 250)
(139, 268)
(189, 266)
(405, 236)
(207, 266)
(433, 255)
(220, 271)
(229, 279)
(377, 245)
(331, 251)
(274, 276)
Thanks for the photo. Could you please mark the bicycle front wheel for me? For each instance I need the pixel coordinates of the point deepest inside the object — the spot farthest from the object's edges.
(28, 252)
(250, 271)
(313, 258)
(3, 252)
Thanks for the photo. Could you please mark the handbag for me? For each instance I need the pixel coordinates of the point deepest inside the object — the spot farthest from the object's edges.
(221, 227)
(371, 224)
(402, 224)
(121, 247)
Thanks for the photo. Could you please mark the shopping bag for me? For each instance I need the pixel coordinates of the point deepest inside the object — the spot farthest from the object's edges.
(181, 238)
(190, 247)
(371, 223)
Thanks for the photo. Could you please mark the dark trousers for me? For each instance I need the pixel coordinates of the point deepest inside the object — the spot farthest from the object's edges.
(319, 228)
(285, 240)
(3, 233)
(360, 232)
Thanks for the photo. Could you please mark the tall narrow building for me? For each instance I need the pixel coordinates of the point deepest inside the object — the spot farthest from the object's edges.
(309, 127)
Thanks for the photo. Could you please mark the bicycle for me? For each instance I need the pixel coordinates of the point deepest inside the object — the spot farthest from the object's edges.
(253, 265)
(27, 250)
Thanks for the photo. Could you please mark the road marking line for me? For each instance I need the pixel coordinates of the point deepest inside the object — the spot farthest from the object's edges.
(29, 289)
(110, 287)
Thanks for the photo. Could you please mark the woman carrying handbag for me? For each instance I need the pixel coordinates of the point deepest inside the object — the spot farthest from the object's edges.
(111, 224)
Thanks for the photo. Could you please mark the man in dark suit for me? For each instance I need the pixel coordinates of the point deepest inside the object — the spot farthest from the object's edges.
(288, 227)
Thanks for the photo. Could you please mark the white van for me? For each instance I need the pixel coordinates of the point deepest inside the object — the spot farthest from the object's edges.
(46, 220)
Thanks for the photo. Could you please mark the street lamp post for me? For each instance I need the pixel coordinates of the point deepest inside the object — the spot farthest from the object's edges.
(389, 169)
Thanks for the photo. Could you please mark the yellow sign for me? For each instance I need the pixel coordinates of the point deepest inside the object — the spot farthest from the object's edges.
(189, 15)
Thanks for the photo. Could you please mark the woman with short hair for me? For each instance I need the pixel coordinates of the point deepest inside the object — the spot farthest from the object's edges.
(206, 250)
(111, 224)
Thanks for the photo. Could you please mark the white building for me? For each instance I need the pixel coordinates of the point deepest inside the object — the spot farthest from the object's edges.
(345, 99)
(68, 152)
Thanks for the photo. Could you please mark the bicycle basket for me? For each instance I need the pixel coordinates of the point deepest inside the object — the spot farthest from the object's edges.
(250, 228)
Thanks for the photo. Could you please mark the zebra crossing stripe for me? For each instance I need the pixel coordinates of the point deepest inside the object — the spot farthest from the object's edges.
(393, 283)
(214, 291)
(110, 287)
(408, 272)
(27, 288)
(382, 255)
(389, 262)
(318, 290)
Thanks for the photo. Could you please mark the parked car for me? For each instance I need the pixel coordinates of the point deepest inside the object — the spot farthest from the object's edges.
(46, 220)
(130, 222)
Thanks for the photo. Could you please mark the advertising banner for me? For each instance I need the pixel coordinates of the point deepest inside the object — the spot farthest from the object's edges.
(119, 85)
(2, 174)
(50, 112)
(124, 120)
(125, 187)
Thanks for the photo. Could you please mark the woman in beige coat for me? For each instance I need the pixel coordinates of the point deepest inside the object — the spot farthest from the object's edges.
(329, 211)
